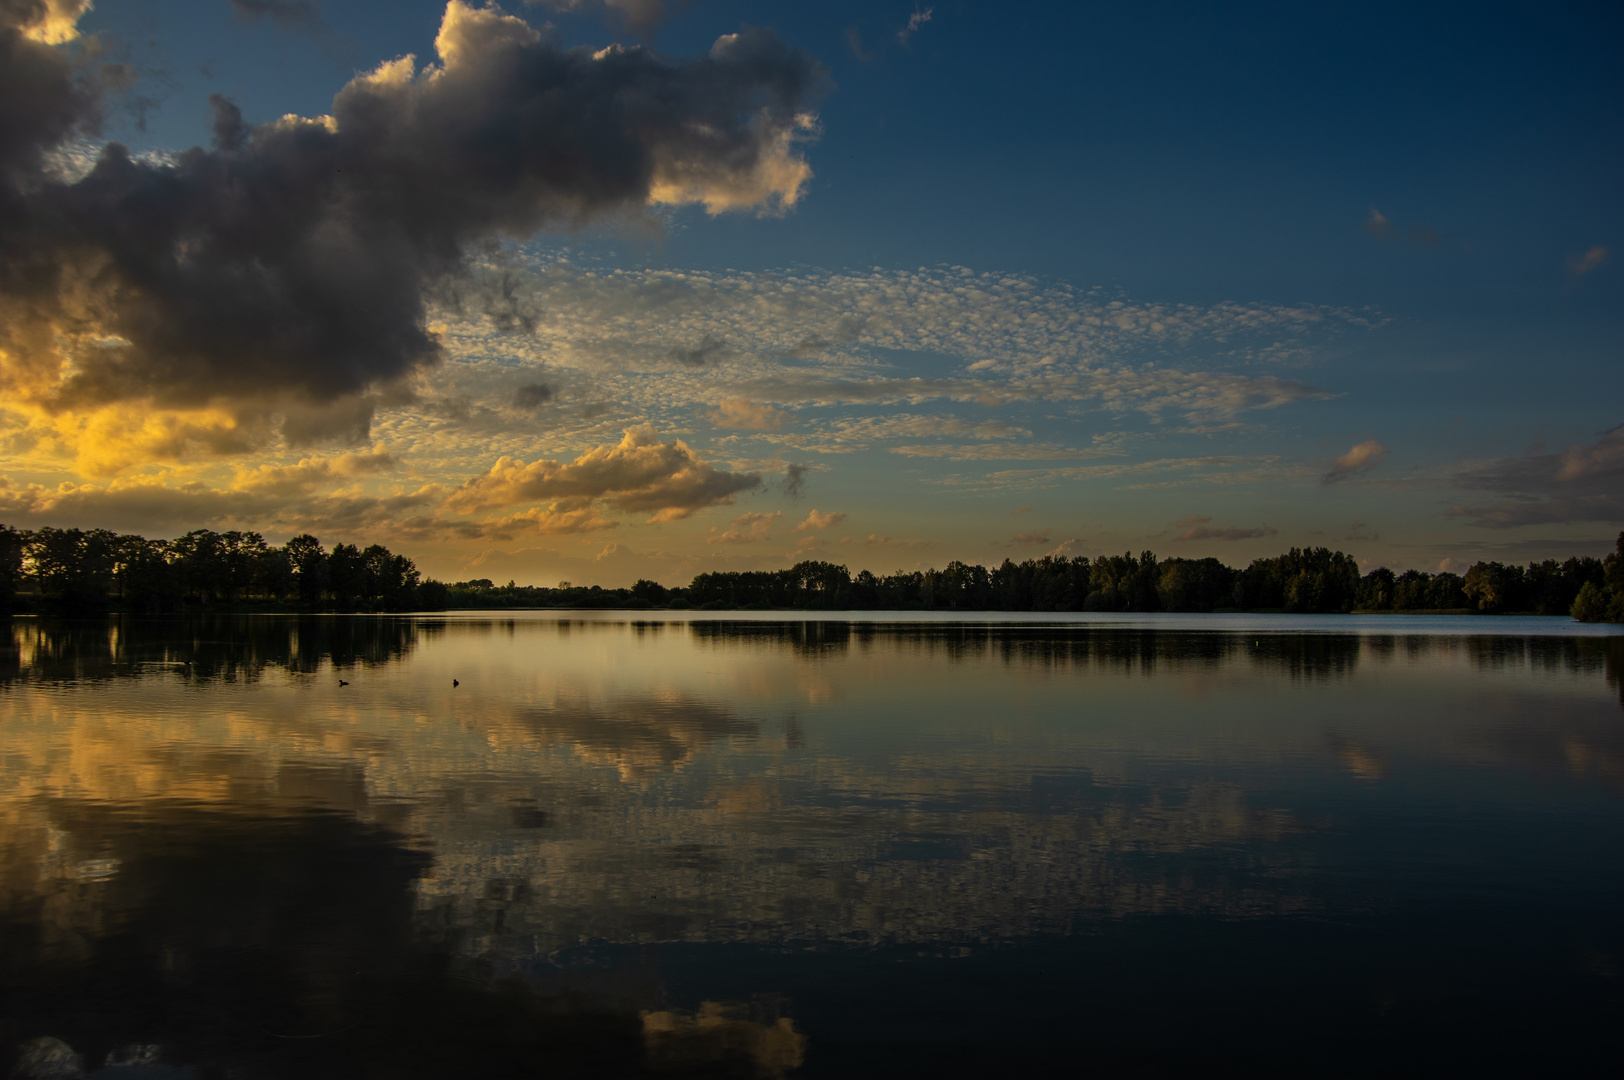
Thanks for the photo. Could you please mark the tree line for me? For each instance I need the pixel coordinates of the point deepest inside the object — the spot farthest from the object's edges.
(72, 571)
(1305, 580)
(85, 571)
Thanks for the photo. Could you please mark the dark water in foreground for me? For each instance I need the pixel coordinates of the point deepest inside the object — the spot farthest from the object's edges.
(813, 849)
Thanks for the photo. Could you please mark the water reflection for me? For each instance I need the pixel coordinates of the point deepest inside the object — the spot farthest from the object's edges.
(233, 648)
(263, 942)
(626, 847)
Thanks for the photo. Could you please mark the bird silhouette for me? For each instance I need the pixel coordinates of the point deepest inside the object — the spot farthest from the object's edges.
(455, 684)
(341, 682)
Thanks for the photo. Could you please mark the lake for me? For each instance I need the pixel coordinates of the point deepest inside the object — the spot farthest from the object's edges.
(680, 844)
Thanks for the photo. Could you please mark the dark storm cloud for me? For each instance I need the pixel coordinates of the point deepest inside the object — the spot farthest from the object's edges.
(44, 101)
(290, 261)
(1583, 483)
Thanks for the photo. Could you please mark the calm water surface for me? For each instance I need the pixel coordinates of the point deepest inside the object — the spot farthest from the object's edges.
(631, 844)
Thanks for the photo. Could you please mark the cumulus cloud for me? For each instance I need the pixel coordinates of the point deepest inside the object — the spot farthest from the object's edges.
(815, 520)
(312, 473)
(1581, 263)
(745, 529)
(553, 520)
(743, 415)
(639, 474)
(1359, 459)
(1582, 483)
(289, 266)
(48, 22)
(1198, 527)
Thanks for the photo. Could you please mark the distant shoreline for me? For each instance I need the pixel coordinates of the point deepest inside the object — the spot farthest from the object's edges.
(821, 613)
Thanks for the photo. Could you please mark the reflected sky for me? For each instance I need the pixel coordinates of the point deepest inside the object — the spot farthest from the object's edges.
(704, 847)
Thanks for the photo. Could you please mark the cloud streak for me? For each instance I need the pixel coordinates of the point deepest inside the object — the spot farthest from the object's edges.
(1198, 527)
(1582, 483)
(1581, 263)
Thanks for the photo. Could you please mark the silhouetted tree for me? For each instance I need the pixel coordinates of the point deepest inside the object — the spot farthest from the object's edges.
(12, 542)
(346, 575)
(73, 568)
(1604, 601)
(309, 565)
(1375, 592)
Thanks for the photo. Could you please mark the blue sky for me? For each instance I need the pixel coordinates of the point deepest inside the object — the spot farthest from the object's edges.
(1157, 267)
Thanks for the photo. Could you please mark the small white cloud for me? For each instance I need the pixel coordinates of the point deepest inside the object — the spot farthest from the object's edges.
(919, 18)
(1359, 459)
(815, 520)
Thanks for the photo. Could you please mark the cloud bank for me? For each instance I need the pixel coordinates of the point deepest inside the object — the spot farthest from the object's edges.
(1583, 483)
(640, 474)
(289, 266)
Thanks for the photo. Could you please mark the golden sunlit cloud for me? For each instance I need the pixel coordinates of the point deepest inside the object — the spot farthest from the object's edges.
(639, 474)
(746, 529)
(53, 22)
(815, 520)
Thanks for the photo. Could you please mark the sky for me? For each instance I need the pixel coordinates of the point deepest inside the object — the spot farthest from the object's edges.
(599, 290)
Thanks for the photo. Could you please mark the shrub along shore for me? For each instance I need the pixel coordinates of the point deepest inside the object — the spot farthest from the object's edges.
(76, 571)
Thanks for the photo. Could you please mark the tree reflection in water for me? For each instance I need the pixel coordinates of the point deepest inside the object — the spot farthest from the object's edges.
(759, 848)
(273, 941)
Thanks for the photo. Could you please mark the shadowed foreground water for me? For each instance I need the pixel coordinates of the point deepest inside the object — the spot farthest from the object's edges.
(764, 848)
